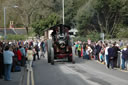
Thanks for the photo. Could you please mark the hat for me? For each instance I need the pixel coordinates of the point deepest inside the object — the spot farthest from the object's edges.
(117, 45)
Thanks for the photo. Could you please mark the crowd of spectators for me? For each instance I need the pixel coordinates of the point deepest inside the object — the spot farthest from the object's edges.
(13, 55)
(105, 52)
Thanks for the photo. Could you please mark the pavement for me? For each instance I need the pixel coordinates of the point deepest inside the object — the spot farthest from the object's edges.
(16, 78)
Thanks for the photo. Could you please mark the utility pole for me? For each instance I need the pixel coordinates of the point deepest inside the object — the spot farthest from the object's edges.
(4, 22)
(5, 32)
(63, 10)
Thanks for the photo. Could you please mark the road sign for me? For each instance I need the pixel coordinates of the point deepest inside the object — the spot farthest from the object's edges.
(102, 36)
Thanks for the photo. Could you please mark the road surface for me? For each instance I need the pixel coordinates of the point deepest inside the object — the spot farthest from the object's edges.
(84, 72)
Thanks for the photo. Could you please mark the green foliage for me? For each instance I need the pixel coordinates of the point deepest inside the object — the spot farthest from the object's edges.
(41, 25)
(79, 38)
(71, 9)
(123, 33)
(84, 17)
(94, 36)
(80, 14)
(16, 37)
(102, 16)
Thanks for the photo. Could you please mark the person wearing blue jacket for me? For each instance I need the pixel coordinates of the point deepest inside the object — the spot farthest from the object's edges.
(8, 60)
(124, 57)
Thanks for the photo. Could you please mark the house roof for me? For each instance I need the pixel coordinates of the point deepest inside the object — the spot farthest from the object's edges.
(13, 31)
(59, 25)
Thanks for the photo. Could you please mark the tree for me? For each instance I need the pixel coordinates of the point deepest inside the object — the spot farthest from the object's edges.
(84, 17)
(71, 10)
(29, 8)
(41, 25)
(101, 16)
(109, 15)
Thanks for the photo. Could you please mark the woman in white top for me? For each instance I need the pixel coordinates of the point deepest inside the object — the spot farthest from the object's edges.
(29, 58)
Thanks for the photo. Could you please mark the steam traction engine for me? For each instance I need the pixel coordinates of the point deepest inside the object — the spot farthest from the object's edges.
(61, 44)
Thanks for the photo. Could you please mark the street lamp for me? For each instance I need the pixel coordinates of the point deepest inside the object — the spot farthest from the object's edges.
(5, 19)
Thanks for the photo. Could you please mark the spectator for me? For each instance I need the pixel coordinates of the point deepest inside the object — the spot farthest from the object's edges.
(111, 57)
(106, 54)
(101, 54)
(98, 49)
(22, 50)
(79, 50)
(76, 47)
(37, 51)
(89, 42)
(19, 55)
(115, 53)
(34, 54)
(84, 50)
(8, 62)
(31, 44)
(14, 50)
(121, 43)
(88, 51)
(42, 45)
(124, 57)
(1, 64)
(29, 58)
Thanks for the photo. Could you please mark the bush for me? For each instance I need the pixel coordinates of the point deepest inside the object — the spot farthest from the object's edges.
(94, 36)
(80, 38)
(123, 33)
(16, 37)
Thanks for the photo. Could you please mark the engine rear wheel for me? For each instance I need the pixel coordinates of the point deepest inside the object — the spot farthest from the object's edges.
(49, 45)
(73, 55)
(52, 56)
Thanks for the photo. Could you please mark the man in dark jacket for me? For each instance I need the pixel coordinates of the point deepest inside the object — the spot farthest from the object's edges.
(37, 49)
(124, 57)
(97, 49)
(111, 57)
(115, 54)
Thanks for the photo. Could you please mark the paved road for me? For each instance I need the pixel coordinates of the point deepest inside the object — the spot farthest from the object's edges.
(84, 72)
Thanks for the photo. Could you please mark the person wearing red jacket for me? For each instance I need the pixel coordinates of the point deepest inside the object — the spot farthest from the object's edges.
(19, 55)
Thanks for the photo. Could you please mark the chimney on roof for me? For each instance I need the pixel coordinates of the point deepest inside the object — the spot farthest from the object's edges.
(11, 24)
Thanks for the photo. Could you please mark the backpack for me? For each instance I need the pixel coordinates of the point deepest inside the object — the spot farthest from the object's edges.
(17, 68)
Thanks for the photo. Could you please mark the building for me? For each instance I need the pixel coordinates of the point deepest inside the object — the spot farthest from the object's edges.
(18, 31)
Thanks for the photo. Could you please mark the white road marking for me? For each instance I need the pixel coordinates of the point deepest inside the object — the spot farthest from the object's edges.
(28, 78)
(32, 78)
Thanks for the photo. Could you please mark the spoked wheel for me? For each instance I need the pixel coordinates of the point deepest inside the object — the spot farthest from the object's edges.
(73, 55)
(52, 56)
(49, 45)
